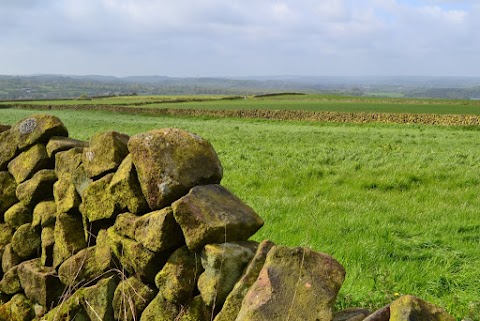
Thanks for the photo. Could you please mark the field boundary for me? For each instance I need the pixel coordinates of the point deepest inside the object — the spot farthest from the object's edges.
(284, 115)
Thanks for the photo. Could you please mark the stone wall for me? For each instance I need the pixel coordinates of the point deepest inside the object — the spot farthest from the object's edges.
(139, 228)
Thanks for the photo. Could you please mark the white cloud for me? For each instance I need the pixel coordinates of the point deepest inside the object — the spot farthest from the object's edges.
(203, 37)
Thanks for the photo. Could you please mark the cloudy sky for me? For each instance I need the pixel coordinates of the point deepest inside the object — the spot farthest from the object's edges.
(240, 37)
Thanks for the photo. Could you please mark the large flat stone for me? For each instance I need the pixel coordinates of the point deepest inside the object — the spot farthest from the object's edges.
(295, 284)
(37, 129)
(105, 153)
(40, 284)
(212, 214)
(38, 188)
(171, 161)
(29, 162)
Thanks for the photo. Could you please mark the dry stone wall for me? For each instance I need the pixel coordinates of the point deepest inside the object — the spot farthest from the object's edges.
(139, 228)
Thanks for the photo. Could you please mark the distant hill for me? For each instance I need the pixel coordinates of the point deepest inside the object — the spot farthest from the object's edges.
(70, 86)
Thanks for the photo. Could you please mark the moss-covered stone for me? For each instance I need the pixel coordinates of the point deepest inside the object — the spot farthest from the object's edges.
(160, 309)
(88, 264)
(67, 162)
(196, 310)
(6, 233)
(44, 214)
(10, 283)
(29, 162)
(408, 308)
(59, 144)
(9, 258)
(125, 188)
(98, 203)
(158, 231)
(18, 215)
(106, 152)
(171, 161)
(131, 298)
(40, 284)
(212, 214)
(9, 149)
(177, 280)
(135, 258)
(71, 308)
(233, 303)
(223, 264)
(294, 284)
(26, 241)
(19, 308)
(38, 188)
(125, 224)
(69, 238)
(37, 129)
(8, 195)
(65, 194)
(98, 299)
(48, 241)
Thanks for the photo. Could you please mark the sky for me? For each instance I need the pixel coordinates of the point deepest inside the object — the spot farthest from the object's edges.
(236, 38)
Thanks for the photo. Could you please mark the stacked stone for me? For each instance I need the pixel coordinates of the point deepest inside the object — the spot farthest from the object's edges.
(139, 228)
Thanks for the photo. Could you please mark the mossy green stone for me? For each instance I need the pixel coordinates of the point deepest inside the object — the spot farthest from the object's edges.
(105, 153)
(212, 214)
(125, 188)
(6, 233)
(98, 299)
(67, 162)
(9, 258)
(38, 188)
(40, 284)
(171, 161)
(135, 258)
(177, 281)
(29, 162)
(44, 214)
(131, 298)
(233, 303)
(8, 195)
(48, 241)
(223, 264)
(408, 307)
(160, 309)
(70, 309)
(18, 215)
(69, 237)
(196, 310)
(158, 231)
(125, 224)
(59, 144)
(88, 264)
(297, 284)
(65, 194)
(26, 241)
(10, 283)
(19, 308)
(98, 203)
(9, 149)
(37, 129)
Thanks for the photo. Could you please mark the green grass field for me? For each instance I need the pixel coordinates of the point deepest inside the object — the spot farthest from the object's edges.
(312, 102)
(397, 205)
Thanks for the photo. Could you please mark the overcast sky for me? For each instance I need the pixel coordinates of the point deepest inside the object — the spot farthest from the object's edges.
(240, 37)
